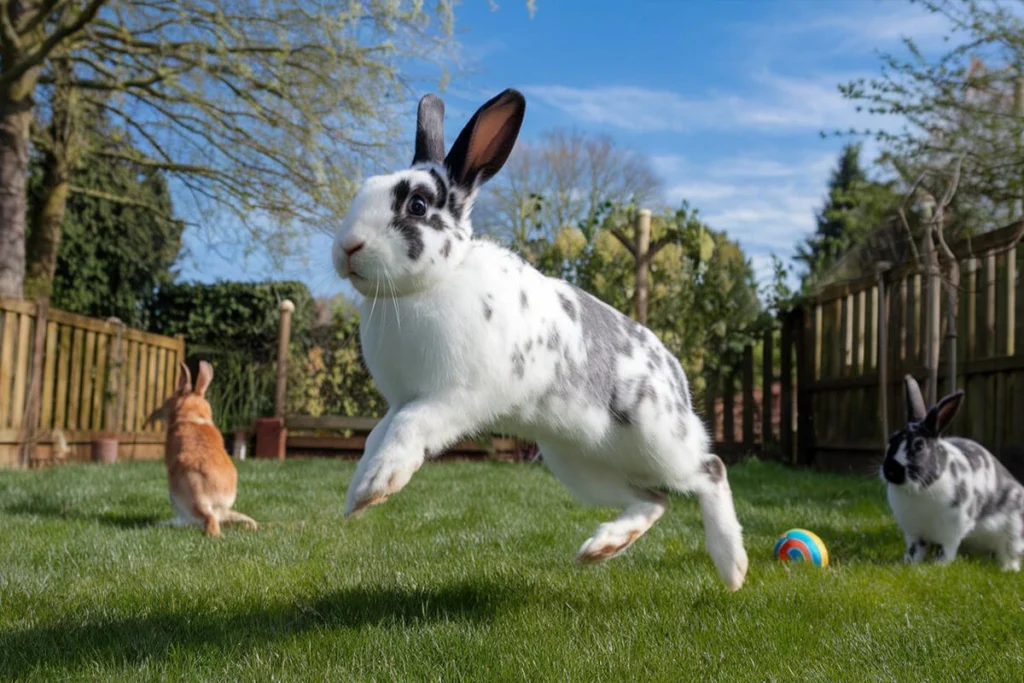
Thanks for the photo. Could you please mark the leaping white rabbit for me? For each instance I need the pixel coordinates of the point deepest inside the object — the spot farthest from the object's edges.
(480, 340)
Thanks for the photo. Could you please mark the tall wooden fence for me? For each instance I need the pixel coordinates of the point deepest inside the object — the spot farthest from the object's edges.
(863, 337)
(833, 394)
(66, 379)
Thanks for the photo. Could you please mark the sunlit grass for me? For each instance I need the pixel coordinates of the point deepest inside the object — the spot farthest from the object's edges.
(467, 574)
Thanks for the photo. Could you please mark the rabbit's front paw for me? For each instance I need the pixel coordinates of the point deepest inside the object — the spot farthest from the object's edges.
(609, 540)
(384, 475)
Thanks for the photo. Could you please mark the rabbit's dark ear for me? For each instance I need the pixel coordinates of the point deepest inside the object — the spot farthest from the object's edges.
(483, 146)
(943, 413)
(915, 403)
(429, 130)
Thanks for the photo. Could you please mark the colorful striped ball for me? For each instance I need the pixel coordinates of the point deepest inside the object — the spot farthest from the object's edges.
(801, 545)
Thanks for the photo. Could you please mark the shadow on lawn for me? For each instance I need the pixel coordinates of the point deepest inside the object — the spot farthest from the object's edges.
(126, 641)
(46, 506)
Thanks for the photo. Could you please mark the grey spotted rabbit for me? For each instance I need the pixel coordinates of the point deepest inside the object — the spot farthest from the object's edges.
(948, 492)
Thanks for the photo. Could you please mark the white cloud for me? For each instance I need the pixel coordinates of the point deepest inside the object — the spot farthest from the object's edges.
(772, 103)
(880, 24)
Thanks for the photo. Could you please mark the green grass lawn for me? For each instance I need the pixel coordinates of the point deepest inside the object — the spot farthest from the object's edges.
(468, 574)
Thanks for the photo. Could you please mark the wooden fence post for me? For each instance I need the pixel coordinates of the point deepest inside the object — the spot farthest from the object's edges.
(30, 425)
(114, 394)
(748, 396)
(767, 384)
(729, 407)
(883, 355)
(786, 379)
(807, 343)
(284, 335)
(643, 246)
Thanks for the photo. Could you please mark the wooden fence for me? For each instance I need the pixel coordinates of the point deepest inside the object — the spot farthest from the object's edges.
(751, 409)
(836, 386)
(863, 337)
(66, 379)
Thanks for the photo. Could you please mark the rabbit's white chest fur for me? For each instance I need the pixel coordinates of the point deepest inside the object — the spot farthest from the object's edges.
(929, 514)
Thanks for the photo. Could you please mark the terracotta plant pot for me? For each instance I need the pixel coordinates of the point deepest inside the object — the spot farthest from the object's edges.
(104, 449)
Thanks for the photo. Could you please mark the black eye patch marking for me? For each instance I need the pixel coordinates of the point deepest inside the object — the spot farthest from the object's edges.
(442, 188)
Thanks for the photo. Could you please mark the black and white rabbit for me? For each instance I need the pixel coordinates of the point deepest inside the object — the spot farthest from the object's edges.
(463, 336)
(950, 492)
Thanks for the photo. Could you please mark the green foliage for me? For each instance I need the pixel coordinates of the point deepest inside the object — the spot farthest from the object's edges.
(855, 207)
(329, 378)
(964, 105)
(235, 326)
(113, 255)
(703, 299)
(237, 316)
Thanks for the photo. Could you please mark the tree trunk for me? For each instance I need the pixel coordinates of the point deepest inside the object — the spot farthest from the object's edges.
(643, 246)
(15, 117)
(44, 240)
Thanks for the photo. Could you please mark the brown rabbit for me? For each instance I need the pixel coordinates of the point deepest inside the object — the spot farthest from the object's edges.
(200, 475)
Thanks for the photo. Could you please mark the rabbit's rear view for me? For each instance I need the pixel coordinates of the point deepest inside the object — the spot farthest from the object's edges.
(200, 475)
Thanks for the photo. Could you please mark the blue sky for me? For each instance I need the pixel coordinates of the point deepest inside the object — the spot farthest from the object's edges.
(727, 98)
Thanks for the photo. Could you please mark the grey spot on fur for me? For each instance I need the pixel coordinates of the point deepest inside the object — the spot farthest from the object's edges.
(620, 415)
(567, 305)
(523, 303)
(518, 362)
(959, 495)
(714, 468)
(446, 250)
(529, 345)
(488, 311)
(554, 338)
(974, 453)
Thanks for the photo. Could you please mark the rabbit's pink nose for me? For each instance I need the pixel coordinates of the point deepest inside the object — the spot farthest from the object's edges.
(354, 248)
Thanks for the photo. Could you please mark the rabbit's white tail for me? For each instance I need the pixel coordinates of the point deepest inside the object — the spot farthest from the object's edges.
(722, 531)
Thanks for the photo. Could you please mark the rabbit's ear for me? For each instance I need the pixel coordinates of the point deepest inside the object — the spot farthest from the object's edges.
(205, 377)
(915, 403)
(483, 146)
(943, 413)
(429, 131)
(184, 380)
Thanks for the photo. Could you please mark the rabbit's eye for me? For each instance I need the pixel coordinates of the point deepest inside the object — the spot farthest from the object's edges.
(418, 206)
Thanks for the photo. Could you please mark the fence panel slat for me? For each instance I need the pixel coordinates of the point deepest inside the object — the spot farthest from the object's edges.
(49, 377)
(100, 382)
(89, 360)
(21, 369)
(8, 337)
(131, 379)
(60, 420)
(728, 407)
(767, 385)
(75, 378)
(748, 396)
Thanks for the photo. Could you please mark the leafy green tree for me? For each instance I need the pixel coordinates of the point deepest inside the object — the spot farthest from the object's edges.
(855, 207)
(265, 111)
(962, 109)
(703, 300)
(113, 256)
